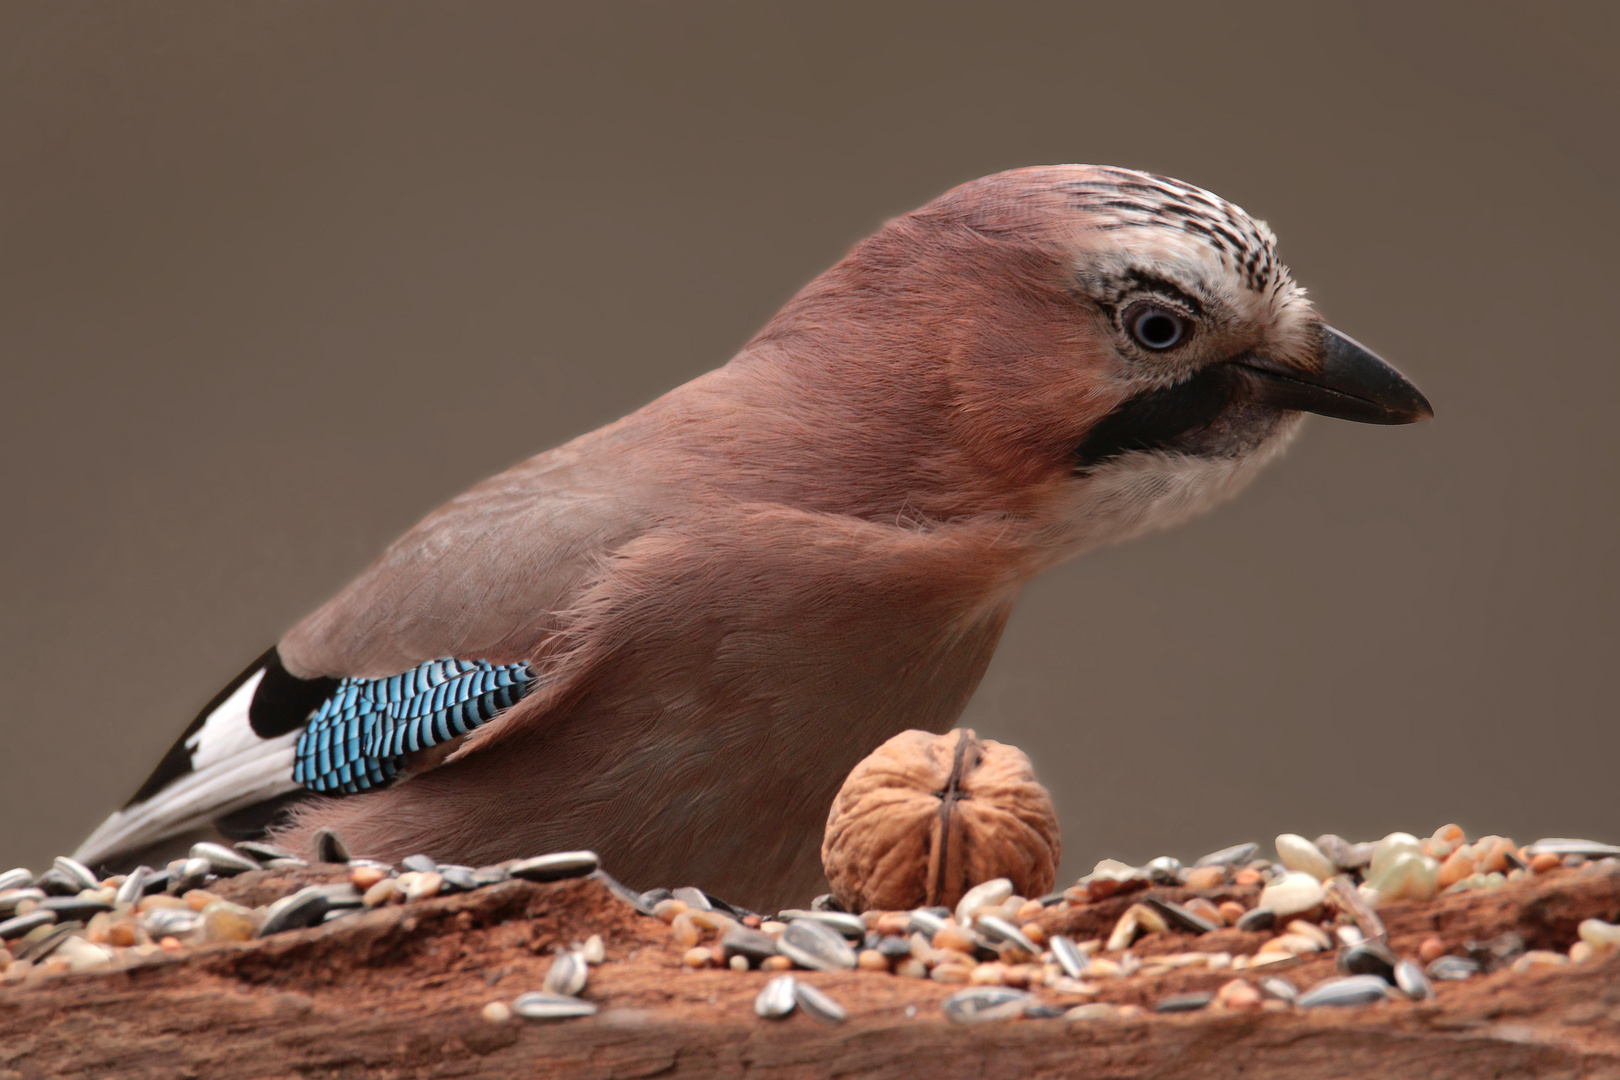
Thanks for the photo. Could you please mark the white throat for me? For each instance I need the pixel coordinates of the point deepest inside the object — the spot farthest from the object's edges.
(1142, 491)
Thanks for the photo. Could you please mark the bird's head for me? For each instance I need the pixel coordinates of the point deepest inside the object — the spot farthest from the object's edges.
(1105, 350)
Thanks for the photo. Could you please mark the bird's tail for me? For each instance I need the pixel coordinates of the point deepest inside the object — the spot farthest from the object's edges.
(271, 733)
(220, 764)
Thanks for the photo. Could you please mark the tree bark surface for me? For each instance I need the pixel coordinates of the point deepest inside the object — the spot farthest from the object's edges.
(398, 993)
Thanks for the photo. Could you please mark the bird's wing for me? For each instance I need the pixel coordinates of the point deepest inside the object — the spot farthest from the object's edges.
(480, 576)
(429, 642)
(729, 665)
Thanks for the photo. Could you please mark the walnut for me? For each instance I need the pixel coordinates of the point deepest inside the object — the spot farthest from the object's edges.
(925, 817)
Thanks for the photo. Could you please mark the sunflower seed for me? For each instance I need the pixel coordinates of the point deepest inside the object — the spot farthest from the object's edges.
(826, 902)
(1280, 988)
(815, 946)
(557, 866)
(894, 947)
(492, 875)
(459, 878)
(73, 907)
(222, 860)
(9, 901)
(926, 923)
(1237, 855)
(293, 863)
(1413, 983)
(56, 883)
(752, 945)
(1164, 870)
(777, 999)
(567, 975)
(134, 886)
(998, 929)
(1180, 917)
(422, 864)
(980, 1003)
(536, 1005)
(306, 907)
(1073, 962)
(717, 904)
(614, 886)
(818, 1004)
(41, 947)
(21, 924)
(693, 898)
(20, 878)
(850, 926)
(1453, 968)
(187, 874)
(1183, 1002)
(342, 895)
(1257, 919)
(76, 870)
(1345, 990)
(1369, 958)
(263, 852)
(328, 848)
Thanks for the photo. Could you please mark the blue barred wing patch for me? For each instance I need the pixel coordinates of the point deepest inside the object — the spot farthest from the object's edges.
(361, 736)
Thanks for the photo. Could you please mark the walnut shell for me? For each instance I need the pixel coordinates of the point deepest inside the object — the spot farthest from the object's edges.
(926, 817)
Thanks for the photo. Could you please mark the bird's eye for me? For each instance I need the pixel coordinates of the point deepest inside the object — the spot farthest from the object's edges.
(1156, 327)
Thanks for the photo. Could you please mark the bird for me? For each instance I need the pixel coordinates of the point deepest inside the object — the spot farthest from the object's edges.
(669, 640)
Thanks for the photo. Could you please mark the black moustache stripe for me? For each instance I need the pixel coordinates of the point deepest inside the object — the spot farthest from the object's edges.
(1155, 420)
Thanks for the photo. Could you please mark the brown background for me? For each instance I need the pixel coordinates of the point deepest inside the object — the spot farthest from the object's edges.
(276, 279)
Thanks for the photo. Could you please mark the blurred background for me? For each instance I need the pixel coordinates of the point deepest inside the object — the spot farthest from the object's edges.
(278, 278)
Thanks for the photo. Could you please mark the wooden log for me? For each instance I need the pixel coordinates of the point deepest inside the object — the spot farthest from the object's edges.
(398, 992)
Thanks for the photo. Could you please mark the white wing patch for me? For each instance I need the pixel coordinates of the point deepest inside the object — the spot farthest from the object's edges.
(232, 768)
(227, 731)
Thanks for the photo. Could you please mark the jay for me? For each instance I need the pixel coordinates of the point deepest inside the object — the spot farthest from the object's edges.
(670, 639)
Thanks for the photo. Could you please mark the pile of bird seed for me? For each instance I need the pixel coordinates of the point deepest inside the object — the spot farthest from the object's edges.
(1315, 897)
(68, 920)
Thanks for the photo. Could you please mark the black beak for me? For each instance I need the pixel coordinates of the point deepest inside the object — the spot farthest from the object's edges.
(1352, 383)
